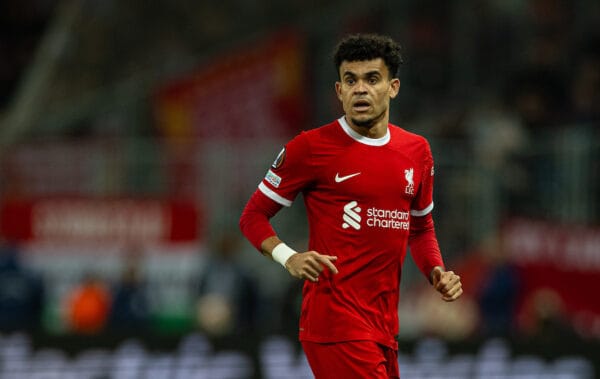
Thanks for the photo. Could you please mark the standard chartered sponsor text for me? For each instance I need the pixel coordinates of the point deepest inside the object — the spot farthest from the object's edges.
(388, 218)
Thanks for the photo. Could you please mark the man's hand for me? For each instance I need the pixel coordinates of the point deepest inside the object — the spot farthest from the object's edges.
(309, 265)
(447, 283)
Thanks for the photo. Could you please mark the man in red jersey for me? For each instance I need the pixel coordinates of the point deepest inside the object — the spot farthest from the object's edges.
(367, 186)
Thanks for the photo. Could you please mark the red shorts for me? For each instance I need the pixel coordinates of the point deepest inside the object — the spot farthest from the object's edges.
(351, 359)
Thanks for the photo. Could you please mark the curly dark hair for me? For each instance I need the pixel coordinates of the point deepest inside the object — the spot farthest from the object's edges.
(365, 47)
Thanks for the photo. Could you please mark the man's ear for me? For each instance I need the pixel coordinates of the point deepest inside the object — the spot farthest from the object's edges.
(338, 90)
(394, 87)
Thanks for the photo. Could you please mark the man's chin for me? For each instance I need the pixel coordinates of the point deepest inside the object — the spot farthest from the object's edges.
(366, 120)
(363, 122)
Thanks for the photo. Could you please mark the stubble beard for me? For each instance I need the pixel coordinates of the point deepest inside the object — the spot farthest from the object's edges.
(368, 123)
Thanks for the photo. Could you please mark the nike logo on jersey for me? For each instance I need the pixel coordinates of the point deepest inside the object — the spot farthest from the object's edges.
(339, 179)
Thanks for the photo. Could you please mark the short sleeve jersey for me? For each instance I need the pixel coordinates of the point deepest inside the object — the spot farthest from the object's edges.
(360, 194)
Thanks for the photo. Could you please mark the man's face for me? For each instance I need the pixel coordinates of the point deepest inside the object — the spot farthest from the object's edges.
(365, 91)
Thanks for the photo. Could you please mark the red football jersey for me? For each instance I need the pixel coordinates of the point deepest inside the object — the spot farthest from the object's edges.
(360, 194)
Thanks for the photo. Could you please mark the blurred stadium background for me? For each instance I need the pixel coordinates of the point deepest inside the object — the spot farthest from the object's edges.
(133, 132)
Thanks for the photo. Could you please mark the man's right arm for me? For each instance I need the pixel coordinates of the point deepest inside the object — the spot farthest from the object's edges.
(255, 225)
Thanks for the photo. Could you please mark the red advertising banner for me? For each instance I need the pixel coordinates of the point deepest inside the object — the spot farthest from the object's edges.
(563, 260)
(251, 91)
(99, 221)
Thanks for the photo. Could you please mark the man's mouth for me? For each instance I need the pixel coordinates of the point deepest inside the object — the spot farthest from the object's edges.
(361, 105)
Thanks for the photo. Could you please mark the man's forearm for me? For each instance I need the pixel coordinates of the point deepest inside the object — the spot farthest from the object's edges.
(424, 246)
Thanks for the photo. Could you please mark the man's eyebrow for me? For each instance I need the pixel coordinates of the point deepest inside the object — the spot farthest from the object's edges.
(368, 73)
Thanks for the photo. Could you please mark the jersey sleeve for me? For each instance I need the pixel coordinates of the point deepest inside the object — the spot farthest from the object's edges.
(423, 202)
(290, 172)
(254, 221)
(424, 246)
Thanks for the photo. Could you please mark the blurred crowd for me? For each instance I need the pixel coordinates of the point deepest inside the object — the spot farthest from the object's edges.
(524, 103)
(227, 301)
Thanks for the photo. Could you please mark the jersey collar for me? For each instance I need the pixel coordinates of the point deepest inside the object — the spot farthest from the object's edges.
(362, 139)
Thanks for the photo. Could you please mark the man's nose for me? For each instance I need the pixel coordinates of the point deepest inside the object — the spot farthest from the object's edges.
(360, 87)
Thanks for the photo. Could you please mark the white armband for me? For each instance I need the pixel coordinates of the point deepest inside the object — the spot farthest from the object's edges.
(282, 252)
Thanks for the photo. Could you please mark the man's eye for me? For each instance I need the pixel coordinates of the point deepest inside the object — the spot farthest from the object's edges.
(373, 80)
(350, 81)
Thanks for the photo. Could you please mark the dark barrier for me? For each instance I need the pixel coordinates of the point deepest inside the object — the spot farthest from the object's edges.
(195, 356)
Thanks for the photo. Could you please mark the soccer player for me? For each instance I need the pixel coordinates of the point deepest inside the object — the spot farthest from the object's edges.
(367, 186)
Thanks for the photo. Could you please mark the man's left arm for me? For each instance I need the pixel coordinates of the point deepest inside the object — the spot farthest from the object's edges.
(422, 240)
(426, 253)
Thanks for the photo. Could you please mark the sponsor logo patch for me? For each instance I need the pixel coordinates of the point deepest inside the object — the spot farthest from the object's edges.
(380, 218)
(273, 178)
(279, 160)
(351, 216)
